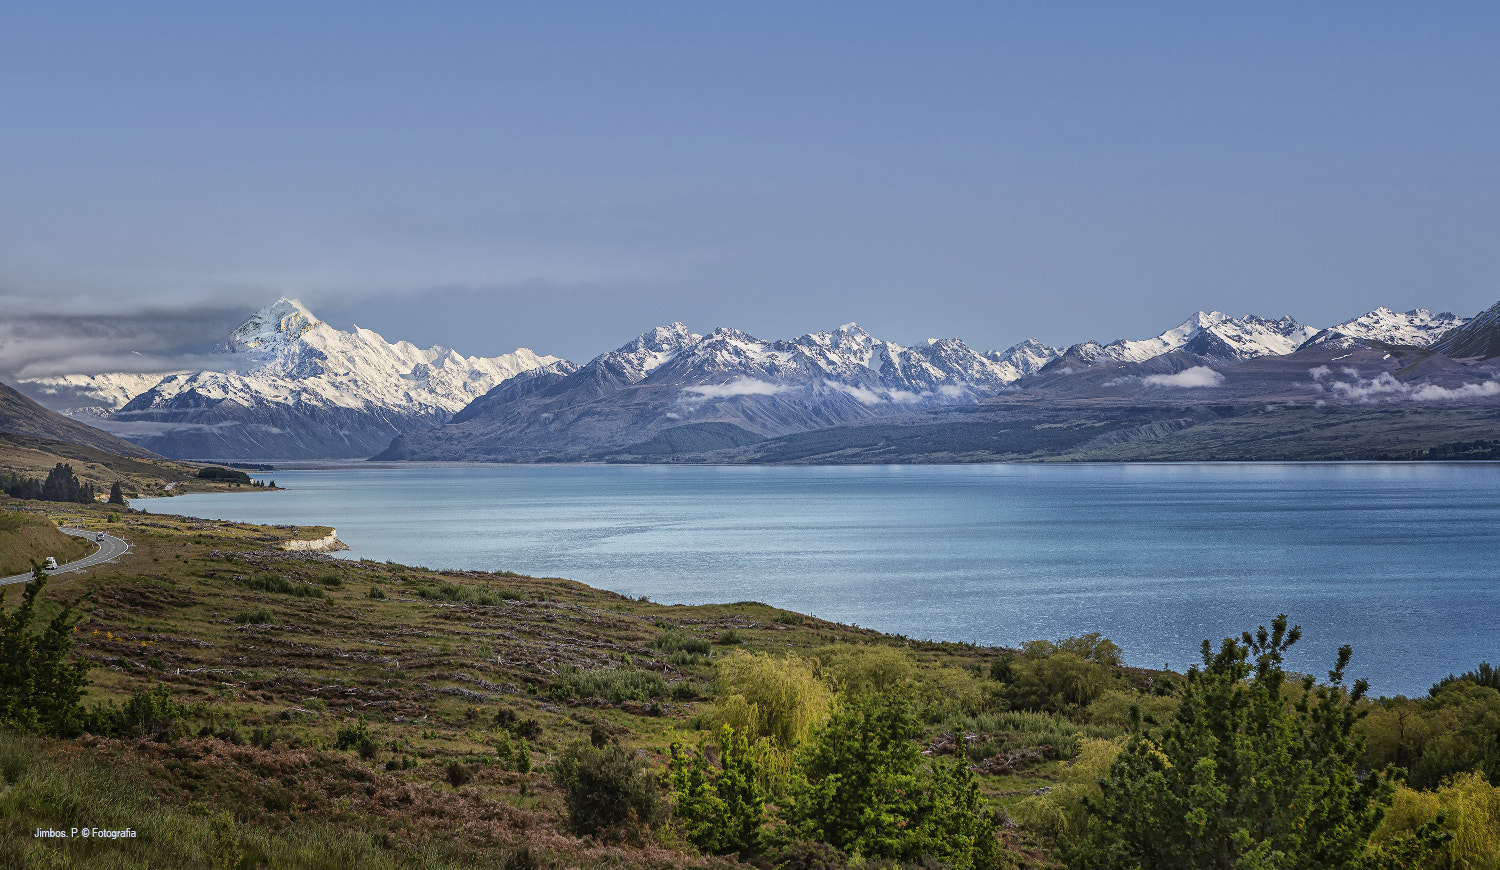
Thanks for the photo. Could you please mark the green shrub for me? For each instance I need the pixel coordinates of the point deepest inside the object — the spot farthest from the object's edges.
(376, 592)
(1485, 675)
(1113, 708)
(358, 738)
(1061, 681)
(146, 713)
(443, 591)
(458, 774)
(867, 668)
(606, 790)
(730, 637)
(1467, 804)
(1092, 647)
(616, 685)
(513, 755)
(673, 640)
(258, 616)
(1455, 730)
(269, 581)
(1061, 813)
(779, 698)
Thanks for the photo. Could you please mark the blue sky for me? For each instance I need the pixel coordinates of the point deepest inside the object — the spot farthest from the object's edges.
(564, 176)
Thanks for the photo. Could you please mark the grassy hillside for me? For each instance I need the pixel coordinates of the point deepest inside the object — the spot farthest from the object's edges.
(353, 713)
(19, 415)
(25, 536)
(34, 457)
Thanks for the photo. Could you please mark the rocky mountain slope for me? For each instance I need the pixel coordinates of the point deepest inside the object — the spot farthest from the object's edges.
(293, 387)
(671, 377)
(1477, 339)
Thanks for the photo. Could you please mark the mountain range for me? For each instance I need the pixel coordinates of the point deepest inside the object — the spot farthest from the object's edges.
(288, 386)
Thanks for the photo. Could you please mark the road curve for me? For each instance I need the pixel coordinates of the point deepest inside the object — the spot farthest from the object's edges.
(110, 548)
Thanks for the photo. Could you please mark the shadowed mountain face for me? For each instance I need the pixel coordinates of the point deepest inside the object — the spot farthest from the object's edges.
(22, 416)
(1477, 339)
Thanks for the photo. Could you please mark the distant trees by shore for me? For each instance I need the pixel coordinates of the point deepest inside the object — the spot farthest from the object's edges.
(224, 475)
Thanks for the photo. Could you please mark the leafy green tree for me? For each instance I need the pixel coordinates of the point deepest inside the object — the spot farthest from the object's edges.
(720, 811)
(862, 786)
(39, 688)
(1252, 772)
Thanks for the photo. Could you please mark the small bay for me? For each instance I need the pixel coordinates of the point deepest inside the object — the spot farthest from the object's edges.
(1399, 560)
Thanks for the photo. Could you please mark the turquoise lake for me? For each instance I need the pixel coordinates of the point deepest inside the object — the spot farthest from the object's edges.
(1400, 560)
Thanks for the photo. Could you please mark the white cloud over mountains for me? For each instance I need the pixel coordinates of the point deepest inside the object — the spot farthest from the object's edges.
(1189, 378)
(741, 386)
(1385, 387)
(1197, 376)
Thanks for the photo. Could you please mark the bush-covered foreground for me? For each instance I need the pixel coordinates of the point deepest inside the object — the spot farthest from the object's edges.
(247, 707)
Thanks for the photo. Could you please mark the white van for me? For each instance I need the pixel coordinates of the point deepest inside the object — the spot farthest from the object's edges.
(51, 563)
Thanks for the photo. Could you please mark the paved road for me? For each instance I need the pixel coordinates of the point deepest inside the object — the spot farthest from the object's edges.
(110, 548)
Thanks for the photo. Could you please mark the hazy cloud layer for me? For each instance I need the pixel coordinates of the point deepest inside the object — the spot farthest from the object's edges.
(1385, 388)
(154, 340)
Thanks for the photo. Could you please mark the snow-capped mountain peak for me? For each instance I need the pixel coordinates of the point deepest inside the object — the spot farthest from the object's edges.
(274, 326)
(648, 352)
(1020, 360)
(317, 391)
(1206, 333)
(1416, 328)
